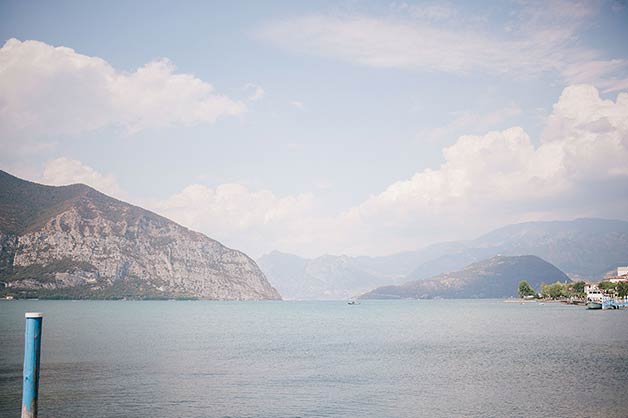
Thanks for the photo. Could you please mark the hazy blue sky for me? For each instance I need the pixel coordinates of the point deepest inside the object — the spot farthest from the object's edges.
(324, 127)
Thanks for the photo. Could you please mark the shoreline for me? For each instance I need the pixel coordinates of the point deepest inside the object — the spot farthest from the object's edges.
(538, 301)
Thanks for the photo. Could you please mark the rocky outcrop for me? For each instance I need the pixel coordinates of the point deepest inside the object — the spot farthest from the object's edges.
(90, 245)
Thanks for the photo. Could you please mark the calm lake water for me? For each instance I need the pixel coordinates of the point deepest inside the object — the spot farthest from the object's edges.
(319, 359)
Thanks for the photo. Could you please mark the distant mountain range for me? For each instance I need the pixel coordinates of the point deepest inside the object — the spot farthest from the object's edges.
(326, 277)
(583, 248)
(75, 242)
(496, 277)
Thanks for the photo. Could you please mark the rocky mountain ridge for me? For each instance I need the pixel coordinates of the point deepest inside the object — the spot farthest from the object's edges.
(73, 241)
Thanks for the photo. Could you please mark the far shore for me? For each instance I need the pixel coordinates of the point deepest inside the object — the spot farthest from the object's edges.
(535, 300)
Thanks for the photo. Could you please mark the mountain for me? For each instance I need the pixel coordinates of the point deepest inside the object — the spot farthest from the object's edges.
(583, 248)
(493, 278)
(325, 277)
(73, 241)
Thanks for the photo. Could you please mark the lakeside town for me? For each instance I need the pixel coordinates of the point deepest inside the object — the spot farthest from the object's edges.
(609, 293)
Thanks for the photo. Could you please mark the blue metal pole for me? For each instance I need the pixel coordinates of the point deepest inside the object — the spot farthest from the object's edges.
(32, 350)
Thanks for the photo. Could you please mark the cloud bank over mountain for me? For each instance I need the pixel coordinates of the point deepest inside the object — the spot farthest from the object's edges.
(483, 182)
(354, 128)
(579, 162)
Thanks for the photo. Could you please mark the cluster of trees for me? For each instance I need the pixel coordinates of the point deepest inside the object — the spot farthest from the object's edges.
(525, 289)
(619, 289)
(563, 290)
(553, 291)
(574, 289)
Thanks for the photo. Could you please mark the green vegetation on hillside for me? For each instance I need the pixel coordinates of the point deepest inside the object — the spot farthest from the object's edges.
(496, 277)
(130, 288)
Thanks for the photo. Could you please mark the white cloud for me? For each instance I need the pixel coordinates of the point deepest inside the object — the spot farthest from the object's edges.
(232, 206)
(577, 168)
(592, 133)
(502, 176)
(542, 38)
(485, 181)
(251, 220)
(56, 91)
(382, 43)
(299, 105)
(609, 75)
(257, 92)
(63, 171)
(430, 11)
(472, 122)
(254, 221)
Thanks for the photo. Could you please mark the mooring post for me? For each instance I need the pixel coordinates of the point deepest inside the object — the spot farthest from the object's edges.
(32, 350)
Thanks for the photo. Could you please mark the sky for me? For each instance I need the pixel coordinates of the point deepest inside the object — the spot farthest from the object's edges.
(355, 127)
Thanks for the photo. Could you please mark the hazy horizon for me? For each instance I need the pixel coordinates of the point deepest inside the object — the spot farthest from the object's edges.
(358, 128)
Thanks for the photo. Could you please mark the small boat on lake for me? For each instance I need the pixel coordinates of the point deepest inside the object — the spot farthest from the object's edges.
(594, 305)
(353, 302)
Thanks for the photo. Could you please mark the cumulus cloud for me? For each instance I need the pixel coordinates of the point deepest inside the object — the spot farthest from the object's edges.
(485, 181)
(57, 91)
(576, 168)
(248, 219)
(502, 176)
(63, 171)
(254, 221)
(232, 205)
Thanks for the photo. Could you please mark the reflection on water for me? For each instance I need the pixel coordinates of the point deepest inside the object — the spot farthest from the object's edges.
(319, 359)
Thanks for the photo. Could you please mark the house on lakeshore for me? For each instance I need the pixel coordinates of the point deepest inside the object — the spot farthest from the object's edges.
(622, 272)
(622, 276)
(595, 291)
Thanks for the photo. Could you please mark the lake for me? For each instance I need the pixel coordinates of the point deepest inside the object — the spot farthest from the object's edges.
(319, 359)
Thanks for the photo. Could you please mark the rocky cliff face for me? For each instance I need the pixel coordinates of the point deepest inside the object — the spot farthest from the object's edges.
(86, 244)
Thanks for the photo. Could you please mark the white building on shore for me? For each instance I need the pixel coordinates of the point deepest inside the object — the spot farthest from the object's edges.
(622, 275)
